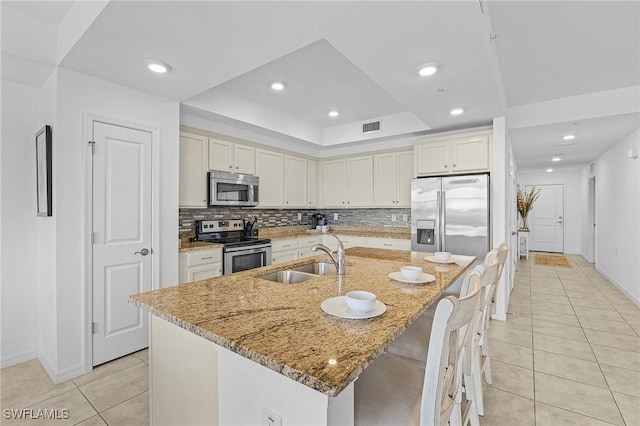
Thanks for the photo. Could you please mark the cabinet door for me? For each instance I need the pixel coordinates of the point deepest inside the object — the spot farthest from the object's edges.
(405, 175)
(295, 181)
(270, 170)
(193, 171)
(359, 181)
(312, 183)
(432, 157)
(202, 272)
(385, 183)
(284, 256)
(244, 159)
(333, 183)
(470, 153)
(220, 155)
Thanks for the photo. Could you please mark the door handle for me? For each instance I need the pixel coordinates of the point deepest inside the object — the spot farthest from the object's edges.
(144, 252)
(560, 222)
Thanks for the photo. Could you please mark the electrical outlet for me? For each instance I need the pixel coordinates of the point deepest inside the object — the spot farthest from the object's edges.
(394, 217)
(299, 216)
(335, 216)
(269, 418)
(405, 218)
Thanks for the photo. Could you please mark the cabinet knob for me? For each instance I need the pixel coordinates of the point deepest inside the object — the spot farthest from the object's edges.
(445, 166)
(286, 202)
(231, 167)
(454, 164)
(237, 167)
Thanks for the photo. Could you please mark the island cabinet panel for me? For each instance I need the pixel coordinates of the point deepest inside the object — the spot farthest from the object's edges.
(183, 378)
(193, 170)
(270, 170)
(464, 153)
(295, 181)
(231, 157)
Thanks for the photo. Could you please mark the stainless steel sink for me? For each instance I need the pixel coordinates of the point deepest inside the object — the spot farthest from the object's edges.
(287, 277)
(317, 268)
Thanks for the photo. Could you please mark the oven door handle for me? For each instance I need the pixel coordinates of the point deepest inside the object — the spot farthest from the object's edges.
(249, 249)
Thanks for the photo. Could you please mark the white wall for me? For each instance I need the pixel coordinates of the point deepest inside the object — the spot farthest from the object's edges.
(573, 202)
(617, 216)
(79, 94)
(19, 225)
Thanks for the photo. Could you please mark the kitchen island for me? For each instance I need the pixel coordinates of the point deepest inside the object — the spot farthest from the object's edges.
(237, 349)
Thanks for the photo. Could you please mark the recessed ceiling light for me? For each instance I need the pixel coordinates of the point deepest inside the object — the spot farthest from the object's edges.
(556, 159)
(158, 67)
(456, 111)
(427, 69)
(277, 86)
(333, 113)
(549, 170)
(568, 137)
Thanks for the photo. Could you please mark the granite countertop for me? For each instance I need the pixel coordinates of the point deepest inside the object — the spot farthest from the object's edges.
(284, 232)
(282, 327)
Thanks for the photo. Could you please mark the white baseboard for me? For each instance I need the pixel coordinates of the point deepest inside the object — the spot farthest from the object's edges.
(631, 297)
(14, 359)
(586, 258)
(60, 376)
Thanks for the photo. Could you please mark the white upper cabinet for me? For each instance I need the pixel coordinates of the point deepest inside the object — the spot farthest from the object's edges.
(455, 154)
(312, 183)
(193, 170)
(348, 182)
(295, 181)
(393, 172)
(270, 170)
(231, 157)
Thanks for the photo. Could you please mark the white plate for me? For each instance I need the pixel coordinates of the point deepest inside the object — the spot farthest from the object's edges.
(452, 259)
(424, 278)
(337, 306)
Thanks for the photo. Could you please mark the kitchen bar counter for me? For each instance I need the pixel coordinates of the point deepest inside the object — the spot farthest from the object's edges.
(283, 328)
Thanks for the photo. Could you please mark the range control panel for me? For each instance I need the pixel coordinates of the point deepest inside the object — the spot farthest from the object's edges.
(221, 225)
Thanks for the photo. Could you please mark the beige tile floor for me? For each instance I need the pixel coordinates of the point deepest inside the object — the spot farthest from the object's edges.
(568, 355)
(569, 352)
(115, 393)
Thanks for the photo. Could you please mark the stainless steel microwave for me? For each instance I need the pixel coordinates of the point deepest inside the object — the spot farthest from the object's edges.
(230, 189)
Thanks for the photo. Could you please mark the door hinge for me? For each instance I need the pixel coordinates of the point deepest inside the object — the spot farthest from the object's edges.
(93, 238)
(92, 144)
(94, 327)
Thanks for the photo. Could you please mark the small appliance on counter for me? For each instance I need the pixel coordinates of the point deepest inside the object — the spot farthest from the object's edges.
(242, 249)
(318, 220)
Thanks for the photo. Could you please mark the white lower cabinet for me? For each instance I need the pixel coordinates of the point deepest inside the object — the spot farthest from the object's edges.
(305, 244)
(284, 250)
(199, 265)
(348, 241)
(388, 243)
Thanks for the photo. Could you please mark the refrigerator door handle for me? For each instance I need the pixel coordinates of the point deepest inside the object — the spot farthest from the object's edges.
(437, 230)
(443, 214)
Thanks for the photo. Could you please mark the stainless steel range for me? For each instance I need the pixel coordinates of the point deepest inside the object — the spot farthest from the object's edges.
(242, 248)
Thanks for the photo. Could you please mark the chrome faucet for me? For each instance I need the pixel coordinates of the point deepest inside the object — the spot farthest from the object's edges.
(339, 261)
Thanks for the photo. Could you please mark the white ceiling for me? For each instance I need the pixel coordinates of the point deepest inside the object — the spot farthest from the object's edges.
(361, 58)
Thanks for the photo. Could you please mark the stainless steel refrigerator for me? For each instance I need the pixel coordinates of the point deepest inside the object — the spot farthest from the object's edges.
(451, 213)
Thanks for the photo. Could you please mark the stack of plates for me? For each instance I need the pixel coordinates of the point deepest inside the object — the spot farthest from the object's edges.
(424, 278)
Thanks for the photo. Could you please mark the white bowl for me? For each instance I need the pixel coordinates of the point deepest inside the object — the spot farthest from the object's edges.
(411, 273)
(360, 301)
(442, 256)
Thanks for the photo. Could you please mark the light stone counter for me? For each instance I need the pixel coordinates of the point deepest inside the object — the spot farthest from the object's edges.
(282, 327)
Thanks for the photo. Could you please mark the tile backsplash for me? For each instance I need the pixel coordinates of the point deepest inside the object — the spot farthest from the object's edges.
(289, 217)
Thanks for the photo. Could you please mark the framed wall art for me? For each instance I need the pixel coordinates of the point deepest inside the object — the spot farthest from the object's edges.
(44, 172)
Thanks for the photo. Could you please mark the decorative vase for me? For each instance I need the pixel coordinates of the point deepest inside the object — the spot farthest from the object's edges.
(525, 226)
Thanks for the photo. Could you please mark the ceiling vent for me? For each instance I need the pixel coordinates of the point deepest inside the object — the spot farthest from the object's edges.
(374, 126)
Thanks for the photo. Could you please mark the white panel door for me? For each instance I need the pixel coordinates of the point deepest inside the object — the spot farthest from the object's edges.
(122, 260)
(546, 219)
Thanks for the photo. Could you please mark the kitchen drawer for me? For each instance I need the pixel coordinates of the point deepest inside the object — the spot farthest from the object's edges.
(388, 243)
(284, 245)
(307, 242)
(347, 241)
(202, 272)
(201, 257)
